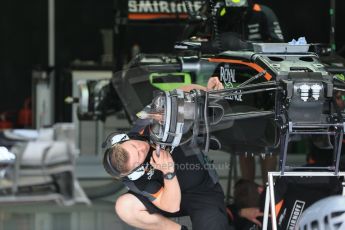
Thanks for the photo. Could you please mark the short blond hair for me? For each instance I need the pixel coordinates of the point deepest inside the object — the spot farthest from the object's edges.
(119, 159)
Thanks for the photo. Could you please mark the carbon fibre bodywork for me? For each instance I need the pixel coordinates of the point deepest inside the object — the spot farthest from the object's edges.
(267, 97)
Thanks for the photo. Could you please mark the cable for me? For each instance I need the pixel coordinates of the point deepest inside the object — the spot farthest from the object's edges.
(215, 26)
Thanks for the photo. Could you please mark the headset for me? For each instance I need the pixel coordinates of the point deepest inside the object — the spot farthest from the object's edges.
(116, 139)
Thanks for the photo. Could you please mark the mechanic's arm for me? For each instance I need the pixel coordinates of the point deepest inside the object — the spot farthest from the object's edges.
(169, 198)
(274, 31)
(187, 88)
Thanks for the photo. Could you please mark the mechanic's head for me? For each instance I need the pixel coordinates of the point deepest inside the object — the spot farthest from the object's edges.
(328, 214)
(247, 194)
(123, 155)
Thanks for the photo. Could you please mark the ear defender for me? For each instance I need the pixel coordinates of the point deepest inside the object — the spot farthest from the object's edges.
(107, 145)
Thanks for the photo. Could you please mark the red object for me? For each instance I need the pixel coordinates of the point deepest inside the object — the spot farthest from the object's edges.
(4, 124)
(25, 114)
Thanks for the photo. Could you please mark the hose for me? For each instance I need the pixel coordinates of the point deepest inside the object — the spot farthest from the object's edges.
(215, 26)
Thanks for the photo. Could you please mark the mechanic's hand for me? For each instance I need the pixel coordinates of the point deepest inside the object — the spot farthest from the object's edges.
(251, 214)
(163, 162)
(214, 84)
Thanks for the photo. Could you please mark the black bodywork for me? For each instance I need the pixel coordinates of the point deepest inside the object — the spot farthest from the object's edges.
(261, 107)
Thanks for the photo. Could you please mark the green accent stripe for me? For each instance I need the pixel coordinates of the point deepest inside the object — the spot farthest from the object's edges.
(187, 80)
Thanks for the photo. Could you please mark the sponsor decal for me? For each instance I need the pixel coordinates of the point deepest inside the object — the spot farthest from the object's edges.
(295, 214)
(227, 76)
(237, 97)
(254, 31)
(170, 7)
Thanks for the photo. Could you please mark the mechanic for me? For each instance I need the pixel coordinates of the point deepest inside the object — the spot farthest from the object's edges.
(163, 184)
(253, 22)
(235, 24)
(245, 213)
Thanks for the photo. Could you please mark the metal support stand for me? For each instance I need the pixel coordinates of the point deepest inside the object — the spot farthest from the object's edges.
(302, 128)
(312, 129)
